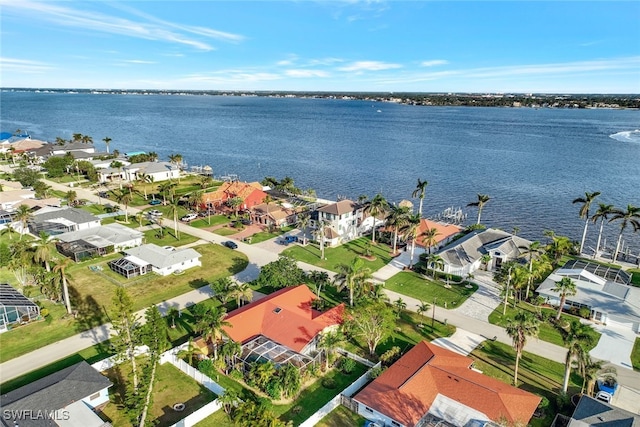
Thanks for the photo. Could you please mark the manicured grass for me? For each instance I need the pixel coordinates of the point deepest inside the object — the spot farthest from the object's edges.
(14, 236)
(342, 254)
(95, 209)
(226, 231)
(341, 417)
(635, 278)
(537, 375)
(96, 289)
(167, 237)
(215, 220)
(635, 355)
(266, 235)
(171, 387)
(413, 285)
(548, 332)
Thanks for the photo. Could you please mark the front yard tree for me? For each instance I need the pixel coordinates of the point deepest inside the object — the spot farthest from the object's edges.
(125, 324)
(174, 211)
(329, 341)
(211, 326)
(419, 192)
(429, 238)
(281, 273)
(521, 327)
(584, 213)
(482, 200)
(564, 287)
(353, 276)
(375, 207)
(23, 214)
(320, 234)
(575, 337)
(124, 197)
(290, 381)
(61, 268)
(411, 230)
(45, 248)
(154, 335)
(373, 323)
(235, 203)
(397, 218)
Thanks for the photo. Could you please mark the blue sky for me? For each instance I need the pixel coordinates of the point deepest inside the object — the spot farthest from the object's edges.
(382, 46)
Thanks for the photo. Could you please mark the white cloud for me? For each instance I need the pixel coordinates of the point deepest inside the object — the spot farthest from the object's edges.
(434, 62)
(138, 61)
(369, 66)
(306, 73)
(223, 77)
(23, 65)
(153, 29)
(324, 61)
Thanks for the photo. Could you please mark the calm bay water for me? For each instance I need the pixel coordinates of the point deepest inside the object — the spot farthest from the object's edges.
(532, 163)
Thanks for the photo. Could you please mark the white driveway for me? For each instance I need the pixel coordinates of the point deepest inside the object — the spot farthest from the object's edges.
(461, 341)
(615, 345)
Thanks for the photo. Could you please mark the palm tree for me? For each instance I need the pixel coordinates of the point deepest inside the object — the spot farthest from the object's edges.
(410, 230)
(23, 214)
(319, 233)
(196, 200)
(576, 337)
(422, 308)
(205, 182)
(630, 216)
(482, 200)
(376, 206)
(429, 238)
(352, 276)
(77, 137)
(399, 305)
(397, 218)
(241, 292)
(523, 326)
(235, 203)
(584, 212)
(118, 165)
(535, 248)
(107, 141)
(565, 287)
(229, 350)
(211, 327)
(189, 352)
(174, 211)
(419, 192)
(44, 250)
(61, 268)
(176, 159)
(435, 262)
(303, 223)
(8, 229)
(86, 139)
(602, 214)
(125, 197)
(71, 197)
(329, 341)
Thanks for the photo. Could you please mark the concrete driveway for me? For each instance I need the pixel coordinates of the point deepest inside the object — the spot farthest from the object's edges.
(615, 345)
(461, 341)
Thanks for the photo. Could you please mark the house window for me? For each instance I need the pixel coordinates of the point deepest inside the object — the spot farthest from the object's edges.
(395, 423)
(94, 396)
(368, 409)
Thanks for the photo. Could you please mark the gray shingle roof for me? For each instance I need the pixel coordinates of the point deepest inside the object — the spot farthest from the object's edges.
(472, 246)
(54, 392)
(113, 233)
(339, 208)
(160, 257)
(592, 412)
(151, 167)
(75, 215)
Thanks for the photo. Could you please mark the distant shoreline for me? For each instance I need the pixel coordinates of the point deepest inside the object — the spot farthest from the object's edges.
(508, 100)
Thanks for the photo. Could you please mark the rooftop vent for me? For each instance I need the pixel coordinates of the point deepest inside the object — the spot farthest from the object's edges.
(277, 310)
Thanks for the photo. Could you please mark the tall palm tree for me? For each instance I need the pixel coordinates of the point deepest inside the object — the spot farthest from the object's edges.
(303, 223)
(410, 232)
(174, 211)
(429, 238)
(211, 327)
(564, 287)
(72, 197)
(61, 269)
(397, 218)
(534, 248)
(44, 250)
(584, 212)
(602, 214)
(241, 292)
(319, 233)
(630, 216)
(329, 341)
(353, 276)
(143, 179)
(196, 199)
(107, 141)
(576, 337)
(435, 262)
(375, 207)
(125, 197)
(521, 327)
(482, 200)
(118, 165)
(419, 192)
(86, 139)
(23, 214)
(423, 308)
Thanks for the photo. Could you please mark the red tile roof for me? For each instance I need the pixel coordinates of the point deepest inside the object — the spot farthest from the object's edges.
(444, 230)
(293, 326)
(406, 391)
(229, 190)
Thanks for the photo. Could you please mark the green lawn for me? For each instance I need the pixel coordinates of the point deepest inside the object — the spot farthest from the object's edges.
(342, 254)
(341, 417)
(215, 220)
(635, 355)
(13, 236)
(635, 278)
(224, 231)
(413, 285)
(266, 235)
(548, 332)
(172, 386)
(536, 374)
(167, 237)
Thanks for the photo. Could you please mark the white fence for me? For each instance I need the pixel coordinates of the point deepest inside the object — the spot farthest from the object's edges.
(335, 402)
(355, 357)
(199, 415)
(112, 361)
(171, 357)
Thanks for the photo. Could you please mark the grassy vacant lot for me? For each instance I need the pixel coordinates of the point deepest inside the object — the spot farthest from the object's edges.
(215, 220)
(536, 374)
(99, 287)
(224, 231)
(413, 285)
(342, 254)
(167, 237)
(635, 355)
(341, 417)
(266, 235)
(548, 331)
(171, 387)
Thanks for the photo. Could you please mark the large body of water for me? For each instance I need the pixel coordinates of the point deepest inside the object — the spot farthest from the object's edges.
(532, 162)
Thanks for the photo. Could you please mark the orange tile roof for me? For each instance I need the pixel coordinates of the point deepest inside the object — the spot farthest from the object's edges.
(293, 326)
(406, 391)
(233, 189)
(444, 230)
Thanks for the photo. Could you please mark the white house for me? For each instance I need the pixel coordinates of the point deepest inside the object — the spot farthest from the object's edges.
(343, 221)
(159, 171)
(464, 256)
(62, 220)
(607, 292)
(68, 397)
(98, 241)
(153, 258)
(10, 200)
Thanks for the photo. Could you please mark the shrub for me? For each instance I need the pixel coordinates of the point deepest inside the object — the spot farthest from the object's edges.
(375, 372)
(329, 383)
(585, 313)
(44, 312)
(273, 389)
(544, 403)
(390, 356)
(348, 365)
(206, 367)
(563, 401)
(236, 374)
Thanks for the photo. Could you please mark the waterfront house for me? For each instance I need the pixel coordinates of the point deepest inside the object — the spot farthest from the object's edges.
(153, 258)
(445, 232)
(55, 221)
(606, 291)
(274, 215)
(464, 256)
(158, 171)
(343, 221)
(97, 241)
(251, 194)
(65, 398)
(432, 384)
(282, 327)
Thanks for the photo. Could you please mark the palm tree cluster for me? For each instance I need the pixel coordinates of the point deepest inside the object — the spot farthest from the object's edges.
(286, 185)
(629, 217)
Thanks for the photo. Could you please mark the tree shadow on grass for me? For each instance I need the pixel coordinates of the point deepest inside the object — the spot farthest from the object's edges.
(170, 416)
(238, 264)
(198, 283)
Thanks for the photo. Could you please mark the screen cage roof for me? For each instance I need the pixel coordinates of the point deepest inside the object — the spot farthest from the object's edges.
(262, 349)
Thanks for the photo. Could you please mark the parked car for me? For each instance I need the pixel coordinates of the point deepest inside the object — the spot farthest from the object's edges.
(230, 244)
(246, 221)
(155, 202)
(189, 217)
(604, 396)
(154, 212)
